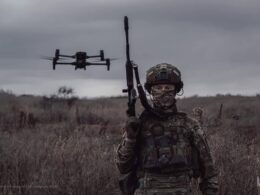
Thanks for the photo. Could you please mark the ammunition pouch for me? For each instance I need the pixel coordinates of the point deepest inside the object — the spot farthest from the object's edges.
(166, 165)
(162, 154)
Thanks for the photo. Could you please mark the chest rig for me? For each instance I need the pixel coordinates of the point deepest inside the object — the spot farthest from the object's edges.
(165, 144)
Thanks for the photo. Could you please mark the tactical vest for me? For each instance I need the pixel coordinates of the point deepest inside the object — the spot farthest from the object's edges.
(165, 144)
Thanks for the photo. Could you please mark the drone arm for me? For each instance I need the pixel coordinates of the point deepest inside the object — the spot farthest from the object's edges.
(66, 63)
(101, 56)
(97, 64)
(93, 56)
(104, 64)
(67, 56)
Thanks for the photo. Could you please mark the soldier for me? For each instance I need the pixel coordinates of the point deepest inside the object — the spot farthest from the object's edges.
(163, 149)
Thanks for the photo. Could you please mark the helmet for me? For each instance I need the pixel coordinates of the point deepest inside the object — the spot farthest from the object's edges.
(163, 74)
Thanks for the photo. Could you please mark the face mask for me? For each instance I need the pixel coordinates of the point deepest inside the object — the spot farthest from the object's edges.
(163, 96)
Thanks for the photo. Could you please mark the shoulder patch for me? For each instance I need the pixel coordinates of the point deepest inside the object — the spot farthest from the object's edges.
(194, 125)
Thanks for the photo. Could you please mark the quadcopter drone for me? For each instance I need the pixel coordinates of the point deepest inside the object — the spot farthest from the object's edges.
(80, 62)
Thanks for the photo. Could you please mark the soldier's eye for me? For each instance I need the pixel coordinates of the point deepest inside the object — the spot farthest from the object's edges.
(169, 87)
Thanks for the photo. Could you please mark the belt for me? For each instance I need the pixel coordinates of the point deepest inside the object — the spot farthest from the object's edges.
(165, 181)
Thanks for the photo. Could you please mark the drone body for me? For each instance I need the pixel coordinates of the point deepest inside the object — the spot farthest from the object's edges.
(81, 61)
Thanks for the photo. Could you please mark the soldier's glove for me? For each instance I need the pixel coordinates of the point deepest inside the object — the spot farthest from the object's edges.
(132, 127)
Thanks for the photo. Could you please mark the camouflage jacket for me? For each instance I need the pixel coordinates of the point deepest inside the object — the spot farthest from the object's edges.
(165, 146)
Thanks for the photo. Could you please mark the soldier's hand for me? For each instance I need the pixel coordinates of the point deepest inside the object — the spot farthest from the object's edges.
(132, 127)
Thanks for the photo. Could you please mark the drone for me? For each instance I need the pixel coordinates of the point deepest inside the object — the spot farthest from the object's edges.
(80, 62)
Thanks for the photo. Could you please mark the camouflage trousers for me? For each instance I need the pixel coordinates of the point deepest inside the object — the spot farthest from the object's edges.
(161, 184)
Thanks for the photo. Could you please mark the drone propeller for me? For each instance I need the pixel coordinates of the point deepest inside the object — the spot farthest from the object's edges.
(68, 56)
(47, 58)
(111, 59)
(51, 58)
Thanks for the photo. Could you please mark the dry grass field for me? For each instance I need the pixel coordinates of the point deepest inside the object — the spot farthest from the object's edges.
(62, 146)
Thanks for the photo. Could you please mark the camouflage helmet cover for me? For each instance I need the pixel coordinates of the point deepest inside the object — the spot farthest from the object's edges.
(163, 74)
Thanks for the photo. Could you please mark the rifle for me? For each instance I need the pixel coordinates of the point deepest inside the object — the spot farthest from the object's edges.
(129, 75)
(131, 70)
(129, 181)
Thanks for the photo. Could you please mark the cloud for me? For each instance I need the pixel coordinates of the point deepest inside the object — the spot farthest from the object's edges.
(213, 42)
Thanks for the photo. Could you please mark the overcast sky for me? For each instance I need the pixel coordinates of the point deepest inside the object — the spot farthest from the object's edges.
(215, 44)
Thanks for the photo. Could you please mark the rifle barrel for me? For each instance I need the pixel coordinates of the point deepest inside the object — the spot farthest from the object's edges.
(127, 38)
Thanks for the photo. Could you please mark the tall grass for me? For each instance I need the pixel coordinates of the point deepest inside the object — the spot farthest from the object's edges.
(71, 147)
